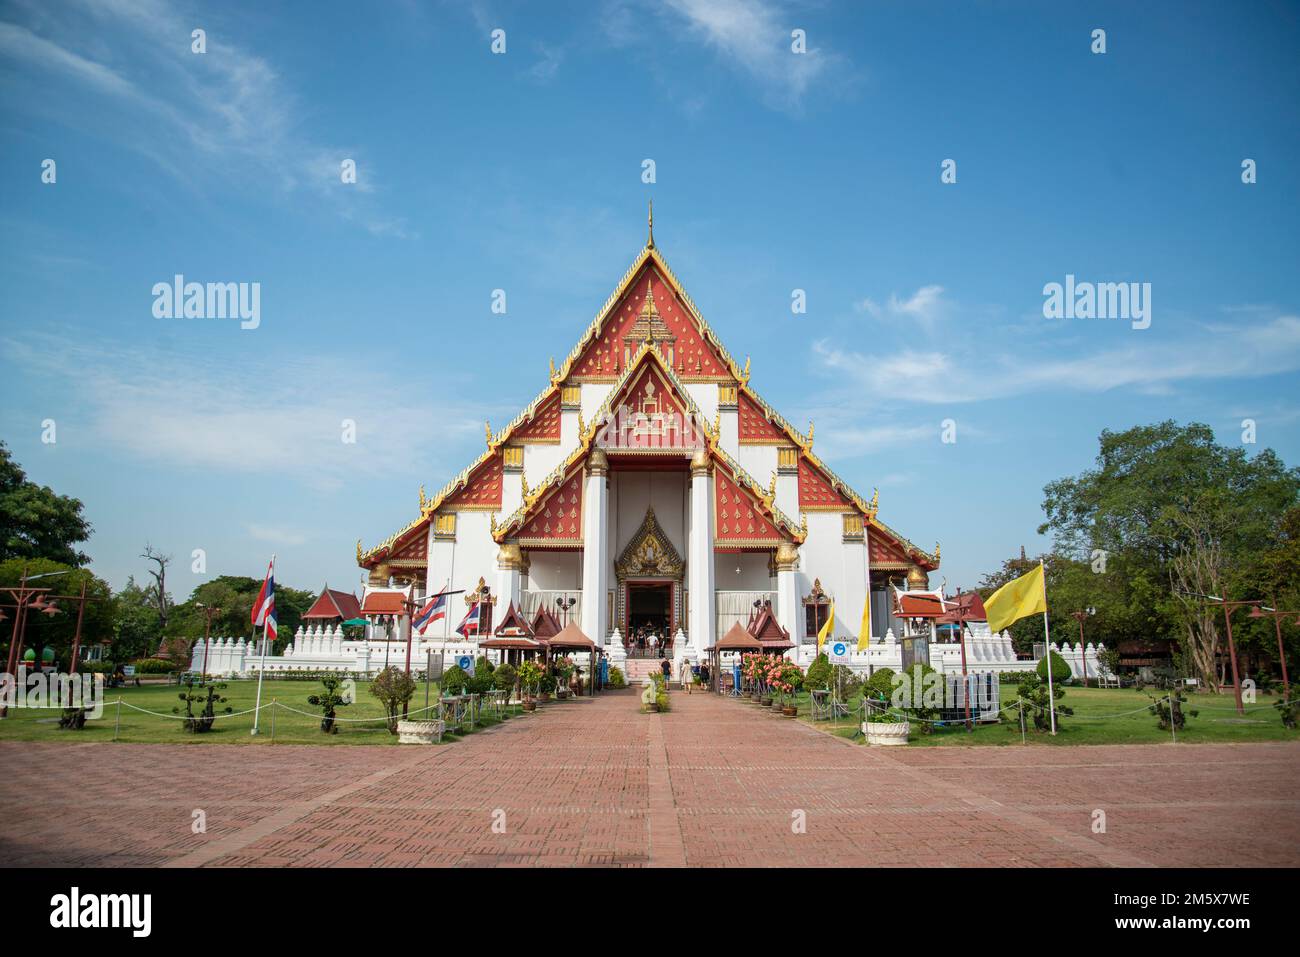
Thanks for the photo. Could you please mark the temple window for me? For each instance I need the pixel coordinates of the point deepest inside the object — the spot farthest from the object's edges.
(816, 609)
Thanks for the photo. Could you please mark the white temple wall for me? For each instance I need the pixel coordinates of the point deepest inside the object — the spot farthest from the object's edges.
(593, 397)
(841, 566)
(705, 395)
(554, 571)
(631, 493)
(741, 571)
(760, 462)
(539, 462)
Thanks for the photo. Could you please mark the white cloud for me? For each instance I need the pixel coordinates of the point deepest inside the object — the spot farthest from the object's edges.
(191, 411)
(755, 36)
(227, 111)
(1147, 362)
(925, 307)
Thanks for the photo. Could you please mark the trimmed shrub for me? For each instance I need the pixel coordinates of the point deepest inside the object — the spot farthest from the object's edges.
(1060, 670)
(481, 681)
(454, 680)
(881, 683)
(155, 666)
(819, 673)
(616, 678)
(504, 677)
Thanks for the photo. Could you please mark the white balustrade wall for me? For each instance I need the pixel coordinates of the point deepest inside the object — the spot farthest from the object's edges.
(322, 648)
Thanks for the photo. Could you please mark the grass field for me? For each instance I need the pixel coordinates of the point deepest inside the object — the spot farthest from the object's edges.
(1102, 716)
(28, 724)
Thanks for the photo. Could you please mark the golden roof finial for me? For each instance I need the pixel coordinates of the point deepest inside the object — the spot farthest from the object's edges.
(523, 483)
(746, 372)
(423, 500)
(487, 430)
(552, 368)
(936, 551)
(875, 499)
(358, 551)
(771, 488)
(650, 222)
(811, 429)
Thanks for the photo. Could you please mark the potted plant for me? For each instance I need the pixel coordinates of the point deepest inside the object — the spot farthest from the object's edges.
(886, 726)
(546, 686)
(530, 676)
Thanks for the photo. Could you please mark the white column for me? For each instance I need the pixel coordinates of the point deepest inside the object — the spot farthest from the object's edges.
(787, 593)
(510, 564)
(595, 547)
(699, 560)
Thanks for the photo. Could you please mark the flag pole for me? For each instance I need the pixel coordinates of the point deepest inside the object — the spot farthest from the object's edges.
(1047, 634)
(261, 671)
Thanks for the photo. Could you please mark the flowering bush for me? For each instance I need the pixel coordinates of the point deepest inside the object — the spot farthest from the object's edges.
(785, 677)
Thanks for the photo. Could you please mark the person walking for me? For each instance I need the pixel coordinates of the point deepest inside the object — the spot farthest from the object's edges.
(686, 676)
(667, 669)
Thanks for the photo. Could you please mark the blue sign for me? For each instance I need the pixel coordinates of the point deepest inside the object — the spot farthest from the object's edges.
(466, 663)
(839, 652)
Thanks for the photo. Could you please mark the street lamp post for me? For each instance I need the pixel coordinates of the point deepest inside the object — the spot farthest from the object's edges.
(1079, 616)
(208, 612)
(1228, 608)
(1263, 611)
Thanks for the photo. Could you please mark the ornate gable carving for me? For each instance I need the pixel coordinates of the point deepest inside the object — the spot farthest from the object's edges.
(650, 553)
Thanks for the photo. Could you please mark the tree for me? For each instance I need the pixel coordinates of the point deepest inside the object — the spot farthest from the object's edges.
(162, 601)
(394, 688)
(1185, 516)
(35, 522)
(136, 630)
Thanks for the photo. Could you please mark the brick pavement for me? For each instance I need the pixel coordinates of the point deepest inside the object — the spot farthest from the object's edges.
(592, 782)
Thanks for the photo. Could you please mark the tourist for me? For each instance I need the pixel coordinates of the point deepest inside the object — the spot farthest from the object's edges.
(667, 670)
(686, 676)
(654, 640)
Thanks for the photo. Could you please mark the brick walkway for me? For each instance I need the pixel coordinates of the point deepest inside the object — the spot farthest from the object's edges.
(592, 782)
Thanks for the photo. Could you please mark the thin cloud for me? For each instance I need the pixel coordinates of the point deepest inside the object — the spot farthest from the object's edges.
(228, 110)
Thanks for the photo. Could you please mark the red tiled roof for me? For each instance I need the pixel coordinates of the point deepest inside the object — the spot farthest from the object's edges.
(967, 606)
(919, 606)
(384, 603)
(333, 603)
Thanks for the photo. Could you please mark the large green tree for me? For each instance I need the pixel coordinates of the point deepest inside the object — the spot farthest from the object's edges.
(1180, 517)
(36, 522)
(233, 595)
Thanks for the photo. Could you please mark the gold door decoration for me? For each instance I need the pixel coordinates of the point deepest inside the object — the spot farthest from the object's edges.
(649, 554)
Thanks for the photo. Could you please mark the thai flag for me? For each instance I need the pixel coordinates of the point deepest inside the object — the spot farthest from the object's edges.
(470, 624)
(264, 604)
(433, 610)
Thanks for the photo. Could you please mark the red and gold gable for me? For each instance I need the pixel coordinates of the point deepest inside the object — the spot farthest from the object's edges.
(557, 517)
(816, 493)
(755, 427)
(544, 427)
(738, 516)
(415, 551)
(679, 341)
(649, 414)
(482, 491)
(884, 551)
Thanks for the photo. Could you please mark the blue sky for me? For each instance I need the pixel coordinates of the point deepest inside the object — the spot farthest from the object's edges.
(775, 171)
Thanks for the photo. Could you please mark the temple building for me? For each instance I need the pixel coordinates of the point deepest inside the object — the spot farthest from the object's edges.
(647, 487)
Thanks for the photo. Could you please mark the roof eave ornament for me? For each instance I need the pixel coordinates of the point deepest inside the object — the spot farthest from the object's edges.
(650, 225)
(487, 431)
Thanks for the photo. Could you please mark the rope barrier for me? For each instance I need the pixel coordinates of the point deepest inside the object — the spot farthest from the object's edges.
(311, 714)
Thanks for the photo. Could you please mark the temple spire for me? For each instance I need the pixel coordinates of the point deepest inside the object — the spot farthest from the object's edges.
(650, 223)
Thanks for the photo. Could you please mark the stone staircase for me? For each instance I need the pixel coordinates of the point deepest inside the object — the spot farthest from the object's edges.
(636, 669)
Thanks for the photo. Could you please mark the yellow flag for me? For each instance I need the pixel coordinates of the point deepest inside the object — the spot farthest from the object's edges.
(864, 629)
(827, 629)
(1016, 599)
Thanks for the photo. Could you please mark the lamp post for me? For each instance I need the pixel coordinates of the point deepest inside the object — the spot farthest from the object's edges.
(564, 603)
(1263, 611)
(1228, 608)
(1079, 616)
(25, 598)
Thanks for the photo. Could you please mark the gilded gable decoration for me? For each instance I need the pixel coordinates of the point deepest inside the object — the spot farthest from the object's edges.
(650, 553)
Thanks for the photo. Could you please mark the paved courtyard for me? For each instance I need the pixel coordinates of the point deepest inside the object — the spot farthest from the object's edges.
(592, 782)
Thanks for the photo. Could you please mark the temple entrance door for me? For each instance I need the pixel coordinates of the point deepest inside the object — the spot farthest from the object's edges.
(649, 611)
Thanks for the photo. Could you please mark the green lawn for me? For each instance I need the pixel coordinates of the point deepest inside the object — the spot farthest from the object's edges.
(1099, 719)
(27, 724)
